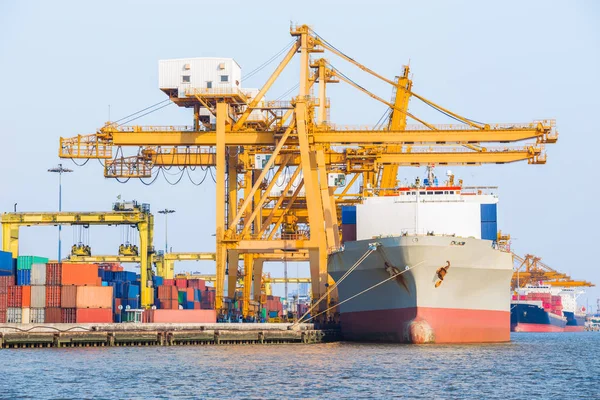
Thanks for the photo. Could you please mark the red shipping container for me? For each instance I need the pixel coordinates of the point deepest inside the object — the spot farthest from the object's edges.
(15, 294)
(169, 305)
(197, 284)
(5, 282)
(2, 316)
(79, 274)
(168, 293)
(53, 296)
(26, 296)
(168, 282)
(197, 305)
(68, 315)
(181, 283)
(53, 274)
(68, 296)
(3, 301)
(184, 316)
(117, 302)
(94, 315)
(53, 315)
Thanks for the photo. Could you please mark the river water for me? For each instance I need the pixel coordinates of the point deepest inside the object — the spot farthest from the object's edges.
(531, 366)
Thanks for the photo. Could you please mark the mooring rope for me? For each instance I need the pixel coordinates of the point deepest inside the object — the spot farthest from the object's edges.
(372, 248)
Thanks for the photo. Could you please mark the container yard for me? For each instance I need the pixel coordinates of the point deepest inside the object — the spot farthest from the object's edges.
(389, 261)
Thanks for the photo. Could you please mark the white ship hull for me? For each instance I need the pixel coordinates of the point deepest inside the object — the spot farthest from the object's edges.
(471, 304)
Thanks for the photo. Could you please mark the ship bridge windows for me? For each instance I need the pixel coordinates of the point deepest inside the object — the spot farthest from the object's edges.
(428, 193)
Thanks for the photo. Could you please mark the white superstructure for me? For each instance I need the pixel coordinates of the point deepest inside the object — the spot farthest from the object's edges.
(421, 210)
(199, 73)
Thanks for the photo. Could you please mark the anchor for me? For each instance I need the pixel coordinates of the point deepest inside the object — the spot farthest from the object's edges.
(441, 273)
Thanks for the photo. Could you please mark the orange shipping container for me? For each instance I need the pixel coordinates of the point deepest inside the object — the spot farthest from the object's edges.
(98, 315)
(79, 274)
(94, 297)
(199, 316)
(26, 300)
(68, 297)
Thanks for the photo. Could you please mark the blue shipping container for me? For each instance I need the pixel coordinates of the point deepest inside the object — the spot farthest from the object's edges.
(23, 277)
(6, 263)
(489, 230)
(132, 303)
(348, 214)
(158, 280)
(488, 213)
(132, 291)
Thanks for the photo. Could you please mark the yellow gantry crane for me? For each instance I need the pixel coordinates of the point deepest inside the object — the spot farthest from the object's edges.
(296, 137)
(531, 270)
(134, 214)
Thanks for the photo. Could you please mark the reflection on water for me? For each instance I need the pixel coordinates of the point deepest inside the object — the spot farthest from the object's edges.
(563, 365)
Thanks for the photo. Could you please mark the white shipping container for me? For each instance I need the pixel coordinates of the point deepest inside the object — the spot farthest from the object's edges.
(13, 315)
(38, 274)
(38, 296)
(37, 315)
(25, 315)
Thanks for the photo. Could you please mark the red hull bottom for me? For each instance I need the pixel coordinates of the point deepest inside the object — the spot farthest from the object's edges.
(520, 327)
(571, 328)
(427, 325)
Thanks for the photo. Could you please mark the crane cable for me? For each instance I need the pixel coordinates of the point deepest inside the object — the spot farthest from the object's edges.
(345, 55)
(149, 112)
(386, 259)
(366, 290)
(352, 268)
(269, 61)
(142, 110)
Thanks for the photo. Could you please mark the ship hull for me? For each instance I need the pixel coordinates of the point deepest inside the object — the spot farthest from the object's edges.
(470, 305)
(575, 322)
(532, 318)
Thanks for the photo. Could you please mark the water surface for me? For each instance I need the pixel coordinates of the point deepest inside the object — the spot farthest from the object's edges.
(531, 366)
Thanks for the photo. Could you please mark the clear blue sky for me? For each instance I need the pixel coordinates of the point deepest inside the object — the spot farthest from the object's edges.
(63, 63)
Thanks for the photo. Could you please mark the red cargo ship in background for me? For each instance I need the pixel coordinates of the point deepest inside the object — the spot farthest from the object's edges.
(536, 309)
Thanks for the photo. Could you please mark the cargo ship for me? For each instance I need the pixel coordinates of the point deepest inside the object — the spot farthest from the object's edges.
(537, 309)
(575, 315)
(434, 272)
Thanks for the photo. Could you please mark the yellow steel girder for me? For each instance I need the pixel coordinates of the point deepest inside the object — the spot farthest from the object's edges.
(144, 221)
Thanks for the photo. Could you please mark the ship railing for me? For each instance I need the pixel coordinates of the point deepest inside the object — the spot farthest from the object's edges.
(419, 232)
(492, 190)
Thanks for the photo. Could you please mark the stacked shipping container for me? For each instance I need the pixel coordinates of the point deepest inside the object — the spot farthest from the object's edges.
(55, 293)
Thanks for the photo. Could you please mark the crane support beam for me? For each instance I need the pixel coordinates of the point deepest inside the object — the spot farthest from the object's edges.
(533, 155)
(11, 222)
(94, 146)
(454, 134)
(103, 259)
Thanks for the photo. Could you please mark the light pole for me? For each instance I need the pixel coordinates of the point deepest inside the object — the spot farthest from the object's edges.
(166, 211)
(60, 170)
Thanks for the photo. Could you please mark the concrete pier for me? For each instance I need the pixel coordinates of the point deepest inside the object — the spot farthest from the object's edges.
(159, 334)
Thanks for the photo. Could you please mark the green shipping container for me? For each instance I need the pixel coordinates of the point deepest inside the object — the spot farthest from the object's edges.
(264, 313)
(25, 262)
(180, 297)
